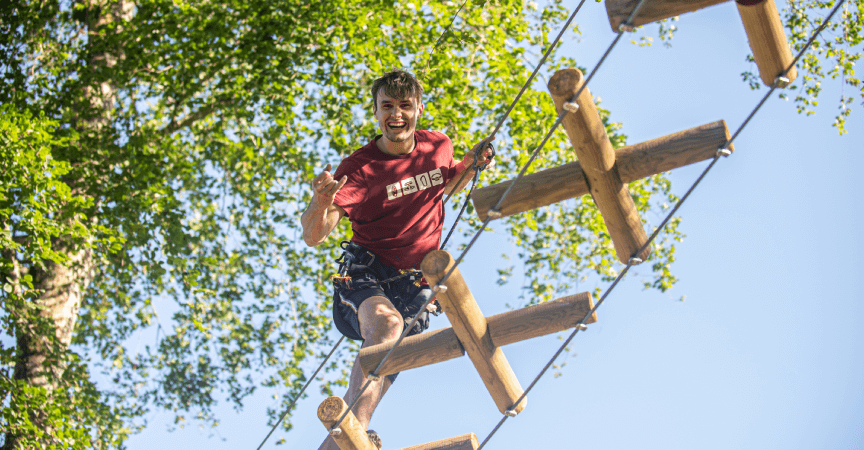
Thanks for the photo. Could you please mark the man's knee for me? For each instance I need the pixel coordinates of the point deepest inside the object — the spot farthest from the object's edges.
(378, 316)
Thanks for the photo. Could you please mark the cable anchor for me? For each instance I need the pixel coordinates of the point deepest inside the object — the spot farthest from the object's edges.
(571, 107)
(510, 413)
(723, 151)
(625, 27)
(781, 82)
(335, 432)
(634, 261)
(494, 214)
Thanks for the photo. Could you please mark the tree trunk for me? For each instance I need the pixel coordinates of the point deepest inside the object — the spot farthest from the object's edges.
(62, 286)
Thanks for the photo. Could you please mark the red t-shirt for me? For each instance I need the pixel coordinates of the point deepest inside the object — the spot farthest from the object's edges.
(395, 202)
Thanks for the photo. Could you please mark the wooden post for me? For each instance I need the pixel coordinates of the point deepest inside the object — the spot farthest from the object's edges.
(505, 328)
(594, 150)
(464, 442)
(353, 436)
(654, 10)
(634, 163)
(767, 39)
(471, 328)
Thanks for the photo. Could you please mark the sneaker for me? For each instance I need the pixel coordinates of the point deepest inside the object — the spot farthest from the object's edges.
(374, 438)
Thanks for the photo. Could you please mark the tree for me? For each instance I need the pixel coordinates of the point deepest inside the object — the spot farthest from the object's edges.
(170, 149)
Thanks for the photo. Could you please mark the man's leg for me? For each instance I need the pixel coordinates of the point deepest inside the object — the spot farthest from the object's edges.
(379, 322)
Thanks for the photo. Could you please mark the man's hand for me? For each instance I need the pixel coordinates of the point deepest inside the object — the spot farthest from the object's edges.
(485, 156)
(321, 216)
(325, 188)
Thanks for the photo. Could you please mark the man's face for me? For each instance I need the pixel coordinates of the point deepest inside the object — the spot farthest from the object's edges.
(397, 117)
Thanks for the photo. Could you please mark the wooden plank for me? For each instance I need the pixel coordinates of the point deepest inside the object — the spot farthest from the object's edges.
(653, 11)
(464, 442)
(353, 436)
(594, 150)
(472, 330)
(767, 39)
(634, 163)
(505, 328)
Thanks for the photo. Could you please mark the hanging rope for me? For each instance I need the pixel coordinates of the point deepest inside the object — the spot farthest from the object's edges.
(723, 151)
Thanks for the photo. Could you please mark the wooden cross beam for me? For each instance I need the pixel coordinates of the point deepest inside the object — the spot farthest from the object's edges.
(633, 162)
(761, 22)
(351, 435)
(464, 442)
(505, 328)
(472, 330)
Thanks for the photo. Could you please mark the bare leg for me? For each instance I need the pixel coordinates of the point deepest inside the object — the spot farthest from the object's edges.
(379, 323)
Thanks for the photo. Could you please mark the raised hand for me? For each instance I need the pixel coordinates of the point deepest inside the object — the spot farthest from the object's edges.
(325, 187)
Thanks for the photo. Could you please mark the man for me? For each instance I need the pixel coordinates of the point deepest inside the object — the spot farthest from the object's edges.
(391, 190)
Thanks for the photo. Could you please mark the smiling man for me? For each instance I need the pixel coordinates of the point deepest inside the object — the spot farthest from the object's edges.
(391, 190)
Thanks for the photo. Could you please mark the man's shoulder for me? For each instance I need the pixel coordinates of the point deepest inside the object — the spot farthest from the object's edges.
(433, 136)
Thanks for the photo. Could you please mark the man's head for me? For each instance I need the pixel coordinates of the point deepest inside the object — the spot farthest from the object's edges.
(398, 104)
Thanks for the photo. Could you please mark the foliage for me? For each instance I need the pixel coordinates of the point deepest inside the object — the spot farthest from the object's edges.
(188, 186)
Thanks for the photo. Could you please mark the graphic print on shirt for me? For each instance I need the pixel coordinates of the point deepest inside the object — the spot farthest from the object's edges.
(411, 185)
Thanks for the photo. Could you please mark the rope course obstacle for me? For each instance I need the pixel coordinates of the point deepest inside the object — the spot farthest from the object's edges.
(599, 171)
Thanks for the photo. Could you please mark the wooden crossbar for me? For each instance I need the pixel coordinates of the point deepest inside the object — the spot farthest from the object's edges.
(767, 39)
(464, 442)
(505, 328)
(594, 150)
(471, 328)
(352, 435)
(634, 162)
(653, 11)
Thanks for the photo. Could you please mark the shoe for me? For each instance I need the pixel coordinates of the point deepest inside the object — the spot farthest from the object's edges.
(374, 438)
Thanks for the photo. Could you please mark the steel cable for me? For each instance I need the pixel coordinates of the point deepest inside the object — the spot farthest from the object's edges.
(665, 221)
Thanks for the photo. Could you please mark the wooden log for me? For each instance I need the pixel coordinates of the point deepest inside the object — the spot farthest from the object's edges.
(634, 163)
(472, 330)
(653, 11)
(353, 436)
(594, 150)
(767, 39)
(464, 442)
(505, 328)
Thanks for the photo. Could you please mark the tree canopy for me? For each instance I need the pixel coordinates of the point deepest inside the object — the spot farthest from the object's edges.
(156, 156)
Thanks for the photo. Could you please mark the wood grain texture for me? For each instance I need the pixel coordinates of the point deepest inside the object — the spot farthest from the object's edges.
(594, 151)
(414, 351)
(654, 10)
(471, 329)
(505, 328)
(464, 442)
(634, 162)
(353, 436)
(767, 39)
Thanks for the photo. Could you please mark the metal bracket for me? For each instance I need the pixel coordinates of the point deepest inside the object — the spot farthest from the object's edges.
(781, 82)
(571, 107)
(634, 261)
(335, 432)
(494, 214)
(723, 152)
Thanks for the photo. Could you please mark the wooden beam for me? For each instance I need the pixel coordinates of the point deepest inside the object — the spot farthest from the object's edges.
(767, 39)
(353, 436)
(653, 11)
(464, 442)
(594, 150)
(634, 163)
(471, 329)
(505, 328)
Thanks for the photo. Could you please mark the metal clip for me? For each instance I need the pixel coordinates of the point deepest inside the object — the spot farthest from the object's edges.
(781, 82)
(625, 27)
(439, 289)
(335, 432)
(373, 377)
(571, 107)
(510, 413)
(583, 327)
(494, 214)
(634, 261)
(723, 152)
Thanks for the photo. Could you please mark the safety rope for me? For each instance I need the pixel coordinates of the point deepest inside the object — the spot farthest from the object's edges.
(723, 151)
(300, 394)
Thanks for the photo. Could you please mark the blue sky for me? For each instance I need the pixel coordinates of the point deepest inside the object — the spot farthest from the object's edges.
(767, 350)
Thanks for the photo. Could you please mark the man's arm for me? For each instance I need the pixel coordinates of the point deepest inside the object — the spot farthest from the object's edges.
(454, 185)
(322, 215)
